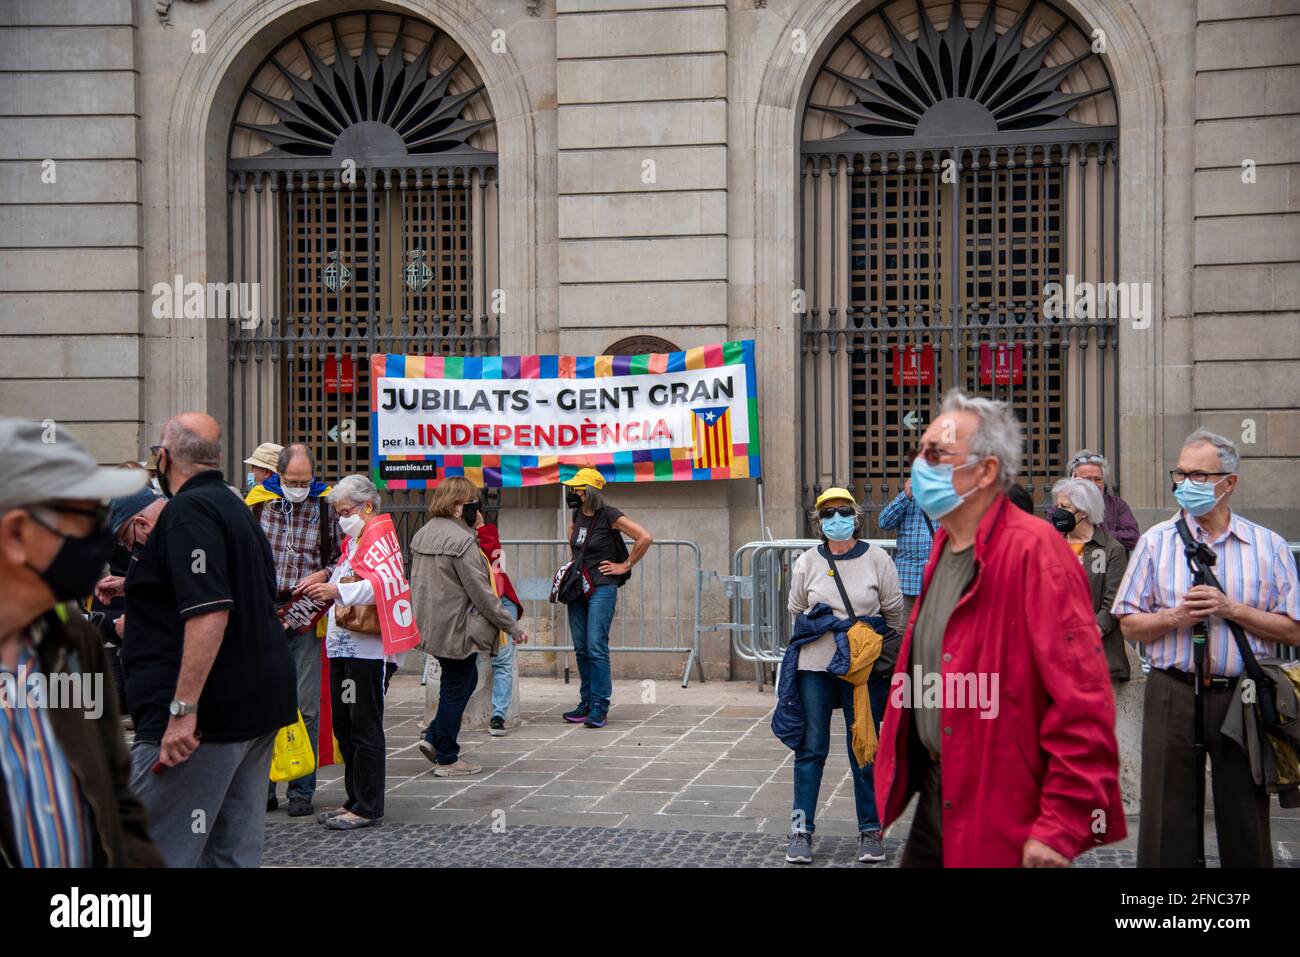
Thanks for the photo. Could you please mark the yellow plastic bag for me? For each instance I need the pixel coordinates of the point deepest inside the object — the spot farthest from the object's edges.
(294, 757)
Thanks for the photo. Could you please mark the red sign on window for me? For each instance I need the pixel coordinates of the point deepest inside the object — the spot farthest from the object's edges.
(1002, 363)
(340, 374)
(914, 365)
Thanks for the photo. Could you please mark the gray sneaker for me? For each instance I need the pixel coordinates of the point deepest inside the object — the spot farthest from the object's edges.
(457, 768)
(799, 850)
(871, 849)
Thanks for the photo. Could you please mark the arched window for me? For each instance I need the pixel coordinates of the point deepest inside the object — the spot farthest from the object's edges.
(955, 160)
(362, 207)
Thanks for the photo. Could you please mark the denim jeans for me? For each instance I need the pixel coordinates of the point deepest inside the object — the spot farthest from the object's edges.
(459, 678)
(305, 650)
(589, 621)
(821, 692)
(503, 663)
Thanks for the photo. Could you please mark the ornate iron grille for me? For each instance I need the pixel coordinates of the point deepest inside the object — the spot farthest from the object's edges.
(948, 174)
(363, 207)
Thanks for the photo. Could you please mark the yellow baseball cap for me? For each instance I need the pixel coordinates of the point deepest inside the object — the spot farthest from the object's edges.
(832, 494)
(586, 477)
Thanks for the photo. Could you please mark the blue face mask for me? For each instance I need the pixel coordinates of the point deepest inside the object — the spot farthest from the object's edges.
(1197, 498)
(838, 528)
(932, 488)
(250, 480)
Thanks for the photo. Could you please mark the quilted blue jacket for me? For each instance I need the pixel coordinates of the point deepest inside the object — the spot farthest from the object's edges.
(788, 716)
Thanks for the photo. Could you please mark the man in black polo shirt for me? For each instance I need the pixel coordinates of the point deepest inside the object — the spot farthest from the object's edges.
(208, 677)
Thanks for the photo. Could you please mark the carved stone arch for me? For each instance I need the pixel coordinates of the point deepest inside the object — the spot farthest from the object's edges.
(777, 115)
(191, 352)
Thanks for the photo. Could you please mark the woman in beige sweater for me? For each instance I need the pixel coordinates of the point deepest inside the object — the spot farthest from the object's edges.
(871, 582)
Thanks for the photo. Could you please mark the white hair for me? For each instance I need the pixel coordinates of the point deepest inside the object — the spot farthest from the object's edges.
(1088, 457)
(355, 490)
(1229, 457)
(1083, 495)
(997, 435)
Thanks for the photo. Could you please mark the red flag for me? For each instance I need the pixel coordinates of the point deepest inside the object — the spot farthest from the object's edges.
(377, 557)
(327, 746)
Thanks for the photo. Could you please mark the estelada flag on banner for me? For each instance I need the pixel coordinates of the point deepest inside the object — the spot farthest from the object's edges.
(711, 433)
(377, 557)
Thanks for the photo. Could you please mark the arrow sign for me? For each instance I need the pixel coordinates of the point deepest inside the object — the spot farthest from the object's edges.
(334, 433)
(909, 420)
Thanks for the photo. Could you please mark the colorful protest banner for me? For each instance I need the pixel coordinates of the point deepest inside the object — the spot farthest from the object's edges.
(509, 421)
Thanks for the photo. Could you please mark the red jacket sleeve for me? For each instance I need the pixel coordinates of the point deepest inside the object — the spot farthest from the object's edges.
(1080, 806)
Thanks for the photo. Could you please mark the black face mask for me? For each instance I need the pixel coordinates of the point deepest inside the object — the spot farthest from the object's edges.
(77, 565)
(1063, 520)
(573, 500)
(469, 513)
(163, 484)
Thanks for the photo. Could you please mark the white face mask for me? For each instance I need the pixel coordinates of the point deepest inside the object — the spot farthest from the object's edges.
(295, 495)
(352, 525)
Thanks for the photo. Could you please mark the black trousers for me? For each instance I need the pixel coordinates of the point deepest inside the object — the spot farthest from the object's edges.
(459, 678)
(357, 699)
(1168, 823)
(924, 847)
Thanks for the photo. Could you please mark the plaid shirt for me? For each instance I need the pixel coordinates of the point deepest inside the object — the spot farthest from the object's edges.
(1254, 566)
(294, 534)
(914, 538)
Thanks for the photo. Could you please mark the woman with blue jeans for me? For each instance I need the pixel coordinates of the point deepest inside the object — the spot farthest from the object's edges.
(503, 658)
(871, 583)
(596, 537)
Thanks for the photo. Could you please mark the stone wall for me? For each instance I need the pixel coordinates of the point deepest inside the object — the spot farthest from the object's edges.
(1245, 325)
(70, 219)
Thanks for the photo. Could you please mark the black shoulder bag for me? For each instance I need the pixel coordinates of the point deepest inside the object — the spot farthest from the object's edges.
(889, 647)
(572, 583)
(1200, 559)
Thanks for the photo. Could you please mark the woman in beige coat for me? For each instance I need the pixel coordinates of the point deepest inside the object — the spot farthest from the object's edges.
(458, 612)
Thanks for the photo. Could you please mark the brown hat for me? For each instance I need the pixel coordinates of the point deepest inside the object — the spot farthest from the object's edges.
(266, 456)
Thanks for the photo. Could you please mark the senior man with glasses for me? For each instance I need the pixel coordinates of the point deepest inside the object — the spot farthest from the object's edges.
(1159, 606)
(1000, 710)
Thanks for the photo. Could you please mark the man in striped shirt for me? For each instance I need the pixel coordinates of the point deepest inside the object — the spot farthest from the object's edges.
(1158, 605)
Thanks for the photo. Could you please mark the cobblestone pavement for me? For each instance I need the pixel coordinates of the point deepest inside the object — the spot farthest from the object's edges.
(693, 777)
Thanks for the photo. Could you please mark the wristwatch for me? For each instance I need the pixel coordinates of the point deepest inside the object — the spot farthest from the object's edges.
(179, 708)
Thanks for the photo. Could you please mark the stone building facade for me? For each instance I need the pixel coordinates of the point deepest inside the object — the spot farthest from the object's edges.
(581, 173)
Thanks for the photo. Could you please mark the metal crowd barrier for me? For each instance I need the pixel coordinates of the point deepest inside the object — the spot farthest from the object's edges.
(658, 609)
(759, 588)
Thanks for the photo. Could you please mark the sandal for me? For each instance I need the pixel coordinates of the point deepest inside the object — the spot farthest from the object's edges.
(350, 822)
(324, 816)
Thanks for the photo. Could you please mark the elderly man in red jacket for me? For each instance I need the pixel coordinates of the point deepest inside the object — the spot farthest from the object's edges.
(1000, 711)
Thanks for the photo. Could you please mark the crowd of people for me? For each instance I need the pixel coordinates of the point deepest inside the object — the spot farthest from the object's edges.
(975, 667)
(985, 658)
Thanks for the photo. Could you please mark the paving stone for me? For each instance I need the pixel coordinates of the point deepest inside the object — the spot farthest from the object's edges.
(711, 808)
(695, 792)
(606, 840)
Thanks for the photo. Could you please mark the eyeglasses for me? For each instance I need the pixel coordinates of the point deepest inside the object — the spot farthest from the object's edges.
(845, 511)
(933, 455)
(98, 515)
(1178, 475)
(1089, 459)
